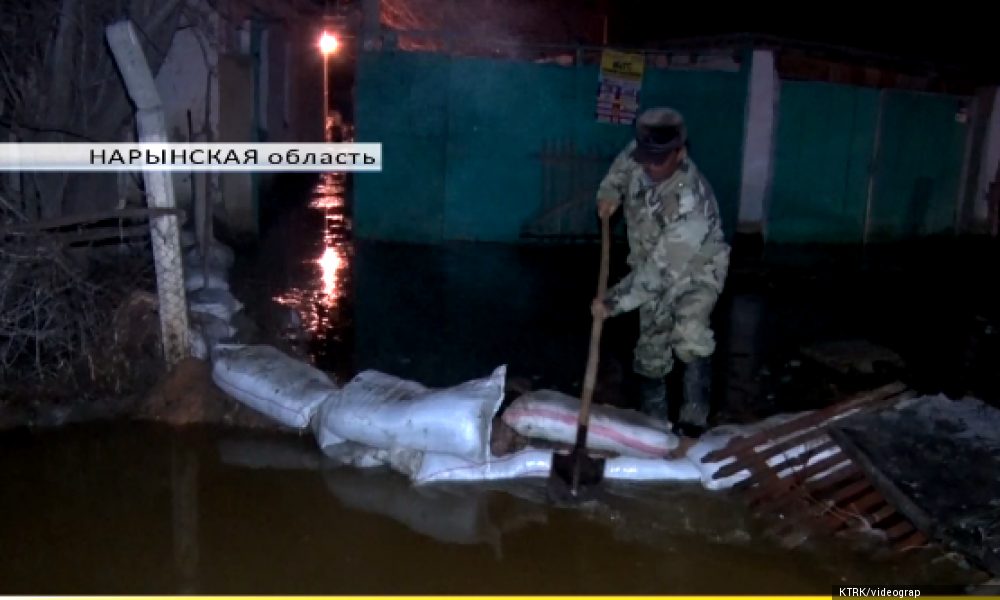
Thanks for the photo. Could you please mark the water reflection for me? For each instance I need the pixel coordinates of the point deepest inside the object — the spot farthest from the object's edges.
(184, 487)
(331, 263)
(319, 296)
(296, 530)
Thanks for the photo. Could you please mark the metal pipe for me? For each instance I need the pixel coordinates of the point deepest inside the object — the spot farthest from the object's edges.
(873, 173)
(326, 93)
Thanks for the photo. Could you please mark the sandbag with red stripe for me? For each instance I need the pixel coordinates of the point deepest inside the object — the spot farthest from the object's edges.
(551, 415)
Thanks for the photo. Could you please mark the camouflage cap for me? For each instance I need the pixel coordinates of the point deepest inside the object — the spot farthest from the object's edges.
(658, 132)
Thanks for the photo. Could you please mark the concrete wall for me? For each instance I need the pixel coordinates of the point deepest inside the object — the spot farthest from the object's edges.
(758, 149)
(278, 69)
(306, 85)
(990, 156)
(209, 72)
(978, 169)
(289, 61)
(236, 126)
(188, 81)
(276, 118)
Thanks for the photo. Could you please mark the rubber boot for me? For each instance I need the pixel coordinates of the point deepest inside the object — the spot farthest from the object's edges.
(653, 397)
(697, 398)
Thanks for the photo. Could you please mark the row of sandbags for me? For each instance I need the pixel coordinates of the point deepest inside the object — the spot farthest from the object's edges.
(211, 305)
(433, 435)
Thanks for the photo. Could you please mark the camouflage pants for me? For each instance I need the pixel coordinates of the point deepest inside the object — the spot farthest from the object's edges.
(679, 323)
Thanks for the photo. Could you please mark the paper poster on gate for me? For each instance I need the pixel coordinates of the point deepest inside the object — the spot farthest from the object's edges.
(619, 86)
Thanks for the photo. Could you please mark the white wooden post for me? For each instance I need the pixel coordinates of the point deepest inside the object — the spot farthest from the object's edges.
(159, 191)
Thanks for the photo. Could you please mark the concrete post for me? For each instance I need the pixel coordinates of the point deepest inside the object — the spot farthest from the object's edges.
(164, 230)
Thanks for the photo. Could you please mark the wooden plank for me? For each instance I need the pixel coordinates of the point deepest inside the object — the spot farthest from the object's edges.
(99, 234)
(883, 484)
(107, 215)
(815, 419)
(756, 459)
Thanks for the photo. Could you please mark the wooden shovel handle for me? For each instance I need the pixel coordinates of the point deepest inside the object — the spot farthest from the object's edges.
(595, 333)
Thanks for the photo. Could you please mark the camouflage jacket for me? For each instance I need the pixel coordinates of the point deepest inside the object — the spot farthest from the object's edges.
(672, 226)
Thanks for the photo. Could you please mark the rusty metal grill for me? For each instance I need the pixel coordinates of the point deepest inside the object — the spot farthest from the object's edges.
(570, 177)
(823, 498)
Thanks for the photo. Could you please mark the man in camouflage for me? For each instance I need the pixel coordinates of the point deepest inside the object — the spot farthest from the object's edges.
(679, 260)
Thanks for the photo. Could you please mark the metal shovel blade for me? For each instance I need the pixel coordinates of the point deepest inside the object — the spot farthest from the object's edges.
(575, 477)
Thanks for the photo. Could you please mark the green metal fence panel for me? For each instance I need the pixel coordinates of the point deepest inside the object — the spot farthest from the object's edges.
(571, 159)
(823, 155)
(485, 150)
(714, 106)
(500, 113)
(918, 167)
(400, 103)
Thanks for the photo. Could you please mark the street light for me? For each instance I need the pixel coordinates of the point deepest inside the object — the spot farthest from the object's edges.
(327, 44)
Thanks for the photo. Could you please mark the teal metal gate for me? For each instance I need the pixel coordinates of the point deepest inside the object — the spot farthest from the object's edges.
(921, 151)
(858, 165)
(501, 151)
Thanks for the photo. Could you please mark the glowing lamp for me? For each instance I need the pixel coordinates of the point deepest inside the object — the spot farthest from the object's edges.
(328, 43)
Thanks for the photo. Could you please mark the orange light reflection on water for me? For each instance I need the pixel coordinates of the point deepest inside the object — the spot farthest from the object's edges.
(317, 302)
(331, 264)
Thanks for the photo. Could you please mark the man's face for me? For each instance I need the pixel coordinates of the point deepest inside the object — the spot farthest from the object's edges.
(660, 169)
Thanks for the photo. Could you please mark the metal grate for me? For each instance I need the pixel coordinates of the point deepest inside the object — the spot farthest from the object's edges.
(816, 497)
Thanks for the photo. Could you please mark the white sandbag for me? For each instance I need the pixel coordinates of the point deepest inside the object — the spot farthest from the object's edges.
(551, 415)
(710, 441)
(536, 463)
(222, 348)
(273, 383)
(199, 347)
(720, 437)
(219, 255)
(383, 411)
(527, 463)
(406, 461)
(629, 468)
(352, 454)
(218, 303)
(325, 437)
(206, 333)
(211, 328)
(194, 280)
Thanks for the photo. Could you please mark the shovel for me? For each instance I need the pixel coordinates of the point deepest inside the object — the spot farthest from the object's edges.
(575, 477)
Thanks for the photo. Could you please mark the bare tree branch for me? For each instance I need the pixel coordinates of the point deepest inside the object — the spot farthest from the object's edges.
(61, 83)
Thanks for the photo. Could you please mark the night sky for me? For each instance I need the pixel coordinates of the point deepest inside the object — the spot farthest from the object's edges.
(957, 37)
(946, 34)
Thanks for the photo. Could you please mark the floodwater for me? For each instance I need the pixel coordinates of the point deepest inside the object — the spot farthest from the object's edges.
(141, 510)
(136, 509)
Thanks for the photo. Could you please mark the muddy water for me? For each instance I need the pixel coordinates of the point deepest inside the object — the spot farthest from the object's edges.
(133, 509)
(141, 510)
(442, 315)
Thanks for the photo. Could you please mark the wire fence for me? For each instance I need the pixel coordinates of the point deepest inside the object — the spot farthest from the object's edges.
(77, 303)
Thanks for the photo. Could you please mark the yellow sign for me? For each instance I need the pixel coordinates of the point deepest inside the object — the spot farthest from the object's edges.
(619, 87)
(621, 64)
